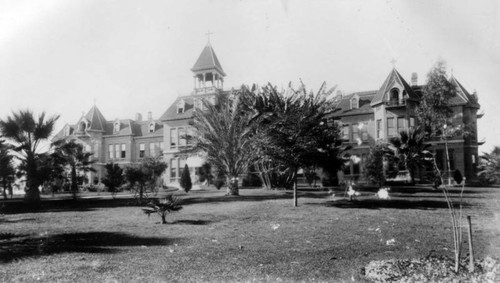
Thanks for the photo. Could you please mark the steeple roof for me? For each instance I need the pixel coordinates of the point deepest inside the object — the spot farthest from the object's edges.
(463, 96)
(393, 78)
(96, 119)
(208, 61)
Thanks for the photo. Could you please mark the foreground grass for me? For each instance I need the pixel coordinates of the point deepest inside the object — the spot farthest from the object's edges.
(259, 236)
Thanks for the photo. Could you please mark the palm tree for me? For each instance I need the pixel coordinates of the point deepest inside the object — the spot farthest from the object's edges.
(7, 170)
(226, 136)
(72, 154)
(410, 148)
(490, 166)
(26, 133)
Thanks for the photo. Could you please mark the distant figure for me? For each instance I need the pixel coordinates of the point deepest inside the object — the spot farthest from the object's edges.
(352, 193)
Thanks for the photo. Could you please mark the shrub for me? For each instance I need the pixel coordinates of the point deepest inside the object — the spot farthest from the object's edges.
(186, 183)
(162, 207)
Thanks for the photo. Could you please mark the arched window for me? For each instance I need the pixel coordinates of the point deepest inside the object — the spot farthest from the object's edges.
(354, 103)
(83, 126)
(394, 96)
(152, 127)
(67, 131)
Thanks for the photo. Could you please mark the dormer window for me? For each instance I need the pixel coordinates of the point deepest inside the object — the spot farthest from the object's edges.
(181, 105)
(354, 103)
(116, 127)
(152, 127)
(67, 131)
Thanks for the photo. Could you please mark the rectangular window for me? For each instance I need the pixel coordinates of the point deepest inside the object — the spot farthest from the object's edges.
(190, 135)
(110, 151)
(379, 128)
(364, 132)
(390, 127)
(173, 137)
(162, 146)
(355, 132)
(451, 153)
(154, 149)
(440, 159)
(345, 132)
(182, 136)
(401, 124)
(412, 122)
(142, 149)
(117, 151)
(173, 170)
(124, 150)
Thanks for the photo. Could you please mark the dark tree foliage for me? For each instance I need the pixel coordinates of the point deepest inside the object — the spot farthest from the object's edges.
(7, 169)
(489, 168)
(374, 166)
(72, 155)
(145, 176)
(295, 131)
(186, 183)
(410, 149)
(205, 173)
(114, 177)
(25, 132)
(434, 110)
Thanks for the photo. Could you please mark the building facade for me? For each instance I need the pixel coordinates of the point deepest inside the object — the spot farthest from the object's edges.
(377, 116)
(366, 118)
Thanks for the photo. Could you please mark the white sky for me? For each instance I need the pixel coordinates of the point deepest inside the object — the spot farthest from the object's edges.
(135, 56)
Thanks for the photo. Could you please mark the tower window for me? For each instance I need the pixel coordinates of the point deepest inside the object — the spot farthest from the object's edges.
(83, 126)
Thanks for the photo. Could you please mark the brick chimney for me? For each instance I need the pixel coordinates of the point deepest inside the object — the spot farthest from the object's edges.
(150, 116)
(414, 79)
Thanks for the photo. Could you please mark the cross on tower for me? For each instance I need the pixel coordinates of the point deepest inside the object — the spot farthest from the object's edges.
(208, 35)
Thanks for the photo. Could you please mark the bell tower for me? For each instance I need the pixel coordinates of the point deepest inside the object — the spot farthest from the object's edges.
(208, 72)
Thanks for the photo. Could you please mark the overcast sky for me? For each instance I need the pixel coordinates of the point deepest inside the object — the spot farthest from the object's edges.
(128, 56)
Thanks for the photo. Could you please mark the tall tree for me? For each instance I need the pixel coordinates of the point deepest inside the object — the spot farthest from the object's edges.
(409, 150)
(226, 136)
(26, 133)
(434, 110)
(145, 175)
(295, 130)
(72, 155)
(186, 183)
(7, 169)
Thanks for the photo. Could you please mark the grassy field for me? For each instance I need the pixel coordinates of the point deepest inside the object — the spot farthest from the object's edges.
(258, 236)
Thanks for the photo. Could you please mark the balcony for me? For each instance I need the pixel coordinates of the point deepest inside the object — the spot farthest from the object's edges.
(206, 90)
(395, 104)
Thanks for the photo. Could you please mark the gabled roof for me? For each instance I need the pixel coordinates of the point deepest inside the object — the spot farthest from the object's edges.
(208, 61)
(463, 96)
(96, 119)
(344, 105)
(393, 78)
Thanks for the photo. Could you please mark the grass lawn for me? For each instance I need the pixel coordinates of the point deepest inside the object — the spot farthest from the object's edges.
(258, 236)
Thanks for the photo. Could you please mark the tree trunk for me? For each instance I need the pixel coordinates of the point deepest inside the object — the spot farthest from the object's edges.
(295, 197)
(163, 218)
(74, 183)
(4, 184)
(32, 196)
(232, 187)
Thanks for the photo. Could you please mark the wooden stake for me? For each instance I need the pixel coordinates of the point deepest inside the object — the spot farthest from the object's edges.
(471, 250)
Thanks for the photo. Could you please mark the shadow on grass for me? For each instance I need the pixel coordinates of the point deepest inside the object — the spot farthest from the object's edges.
(391, 203)
(279, 195)
(21, 246)
(191, 222)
